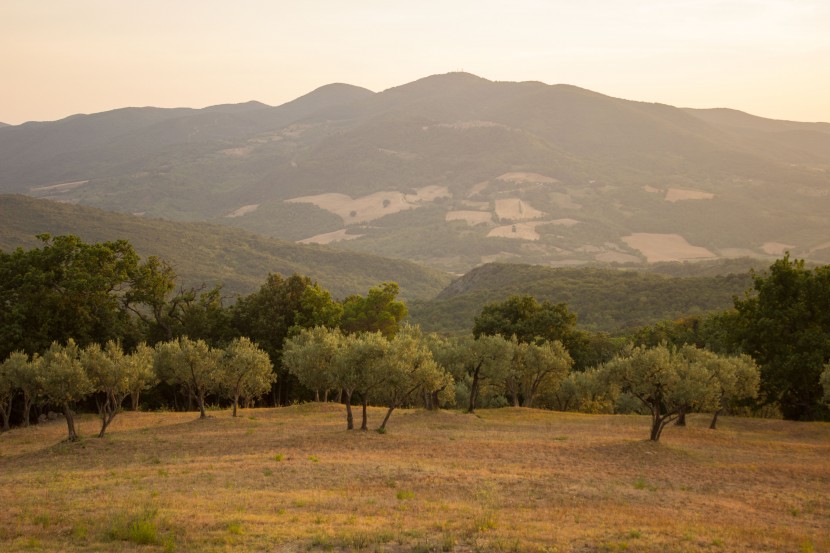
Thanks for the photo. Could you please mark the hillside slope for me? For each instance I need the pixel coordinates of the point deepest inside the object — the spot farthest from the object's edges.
(453, 171)
(609, 300)
(202, 252)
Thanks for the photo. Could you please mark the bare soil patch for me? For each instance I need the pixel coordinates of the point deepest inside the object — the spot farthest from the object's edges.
(329, 237)
(59, 188)
(514, 209)
(520, 177)
(679, 195)
(666, 247)
(244, 210)
(776, 248)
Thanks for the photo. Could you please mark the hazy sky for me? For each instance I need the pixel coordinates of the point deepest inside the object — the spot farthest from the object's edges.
(60, 57)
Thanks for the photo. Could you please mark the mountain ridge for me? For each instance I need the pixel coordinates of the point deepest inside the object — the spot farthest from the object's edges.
(453, 171)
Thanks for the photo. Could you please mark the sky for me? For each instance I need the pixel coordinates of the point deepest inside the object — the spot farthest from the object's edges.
(58, 57)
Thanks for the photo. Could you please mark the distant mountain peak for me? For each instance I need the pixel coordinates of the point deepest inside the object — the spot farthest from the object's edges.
(236, 108)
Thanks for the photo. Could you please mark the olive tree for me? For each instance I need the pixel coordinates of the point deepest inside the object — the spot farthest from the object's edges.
(191, 364)
(141, 375)
(485, 360)
(244, 370)
(64, 380)
(360, 368)
(107, 371)
(585, 391)
(736, 378)
(8, 389)
(535, 365)
(410, 368)
(664, 381)
(26, 378)
(310, 355)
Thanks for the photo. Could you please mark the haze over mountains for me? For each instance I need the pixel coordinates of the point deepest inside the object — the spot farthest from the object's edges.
(452, 171)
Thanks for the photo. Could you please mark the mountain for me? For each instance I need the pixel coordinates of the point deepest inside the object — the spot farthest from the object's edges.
(453, 171)
(209, 253)
(610, 300)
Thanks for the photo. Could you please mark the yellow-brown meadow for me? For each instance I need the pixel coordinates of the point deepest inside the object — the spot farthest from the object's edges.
(293, 479)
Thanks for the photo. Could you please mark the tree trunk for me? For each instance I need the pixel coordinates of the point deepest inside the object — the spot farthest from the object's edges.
(434, 403)
(339, 396)
(473, 393)
(656, 429)
(349, 416)
(235, 402)
(27, 407)
(681, 417)
(106, 411)
(201, 399)
(714, 424)
(105, 422)
(317, 395)
(364, 425)
(514, 393)
(326, 396)
(7, 413)
(70, 423)
(382, 426)
(134, 397)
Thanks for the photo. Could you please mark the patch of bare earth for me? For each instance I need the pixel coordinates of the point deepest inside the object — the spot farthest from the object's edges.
(666, 247)
(329, 237)
(293, 479)
(776, 248)
(60, 188)
(244, 210)
(521, 177)
(679, 195)
(514, 209)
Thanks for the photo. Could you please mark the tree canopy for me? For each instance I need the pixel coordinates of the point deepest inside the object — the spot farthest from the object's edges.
(785, 326)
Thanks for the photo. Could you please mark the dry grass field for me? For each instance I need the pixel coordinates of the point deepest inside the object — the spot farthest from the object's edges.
(293, 479)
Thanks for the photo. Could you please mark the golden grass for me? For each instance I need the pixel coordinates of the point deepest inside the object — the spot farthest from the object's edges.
(293, 479)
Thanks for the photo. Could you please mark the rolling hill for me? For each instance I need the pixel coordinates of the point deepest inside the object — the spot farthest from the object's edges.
(210, 253)
(610, 300)
(453, 171)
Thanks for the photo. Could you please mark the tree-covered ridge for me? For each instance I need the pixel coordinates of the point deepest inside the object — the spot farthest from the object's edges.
(610, 300)
(213, 254)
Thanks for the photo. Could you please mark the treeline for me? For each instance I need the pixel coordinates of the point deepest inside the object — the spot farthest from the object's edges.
(68, 290)
(93, 324)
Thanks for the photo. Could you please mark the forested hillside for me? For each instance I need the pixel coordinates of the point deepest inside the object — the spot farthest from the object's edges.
(213, 254)
(610, 300)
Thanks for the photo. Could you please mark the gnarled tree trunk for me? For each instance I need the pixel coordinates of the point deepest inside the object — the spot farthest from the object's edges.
(70, 423)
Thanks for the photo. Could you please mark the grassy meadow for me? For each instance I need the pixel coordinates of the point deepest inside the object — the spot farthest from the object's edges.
(293, 479)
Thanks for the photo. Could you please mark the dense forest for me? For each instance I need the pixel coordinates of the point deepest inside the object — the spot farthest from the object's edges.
(91, 324)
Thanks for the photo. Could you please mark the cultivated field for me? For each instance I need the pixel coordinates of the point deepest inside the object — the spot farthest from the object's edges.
(665, 247)
(293, 479)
